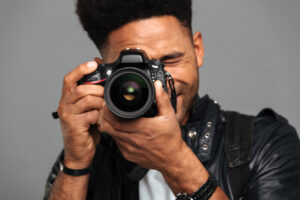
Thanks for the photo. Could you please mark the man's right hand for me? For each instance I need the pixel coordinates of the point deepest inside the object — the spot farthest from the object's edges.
(78, 110)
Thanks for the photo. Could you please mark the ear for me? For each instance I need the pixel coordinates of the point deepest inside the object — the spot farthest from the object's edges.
(199, 48)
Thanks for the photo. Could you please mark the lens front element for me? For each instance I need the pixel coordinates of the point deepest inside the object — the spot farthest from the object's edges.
(129, 93)
(130, 90)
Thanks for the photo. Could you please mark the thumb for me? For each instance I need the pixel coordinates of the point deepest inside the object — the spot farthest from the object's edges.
(162, 100)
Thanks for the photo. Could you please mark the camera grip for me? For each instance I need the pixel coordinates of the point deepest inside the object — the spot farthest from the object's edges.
(94, 78)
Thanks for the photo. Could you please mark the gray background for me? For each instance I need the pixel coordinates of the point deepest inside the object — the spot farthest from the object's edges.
(252, 54)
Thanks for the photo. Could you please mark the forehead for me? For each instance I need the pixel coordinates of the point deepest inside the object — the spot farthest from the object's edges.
(157, 36)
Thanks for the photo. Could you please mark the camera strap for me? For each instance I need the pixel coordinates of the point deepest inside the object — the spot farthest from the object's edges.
(173, 91)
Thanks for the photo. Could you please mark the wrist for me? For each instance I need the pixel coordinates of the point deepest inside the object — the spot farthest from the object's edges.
(203, 193)
(174, 158)
(76, 163)
(185, 173)
(74, 169)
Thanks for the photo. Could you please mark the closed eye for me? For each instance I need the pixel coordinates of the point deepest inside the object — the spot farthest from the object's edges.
(170, 62)
(172, 58)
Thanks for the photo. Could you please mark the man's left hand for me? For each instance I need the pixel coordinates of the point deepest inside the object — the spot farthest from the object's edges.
(156, 143)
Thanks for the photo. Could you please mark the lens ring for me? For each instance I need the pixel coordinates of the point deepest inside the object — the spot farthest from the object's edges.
(150, 89)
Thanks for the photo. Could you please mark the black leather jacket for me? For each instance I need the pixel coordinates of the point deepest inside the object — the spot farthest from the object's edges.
(275, 158)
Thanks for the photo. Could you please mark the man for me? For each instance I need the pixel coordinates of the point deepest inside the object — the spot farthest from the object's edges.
(182, 151)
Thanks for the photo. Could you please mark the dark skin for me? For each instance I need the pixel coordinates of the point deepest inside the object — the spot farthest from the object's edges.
(153, 143)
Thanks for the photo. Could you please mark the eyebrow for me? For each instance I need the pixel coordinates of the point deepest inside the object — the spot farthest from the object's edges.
(172, 55)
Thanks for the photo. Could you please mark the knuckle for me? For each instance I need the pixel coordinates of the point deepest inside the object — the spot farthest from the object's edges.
(100, 102)
(72, 127)
(80, 90)
(88, 100)
(126, 155)
(130, 150)
(82, 68)
(94, 113)
(64, 117)
(106, 126)
(93, 116)
(149, 136)
(147, 128)
(117, 125)
(60, 109)
(61, 112)
(66, 79)
(136, 142)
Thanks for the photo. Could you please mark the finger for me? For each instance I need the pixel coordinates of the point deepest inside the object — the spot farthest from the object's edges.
(126, 125)
(162, 100)
(93, 130)
(84, 90)
(71, 79)
(107, 127)
(89, 118)
(83, 122)
(128, 151)
(122, 148)
(86, 104)
(104, 125)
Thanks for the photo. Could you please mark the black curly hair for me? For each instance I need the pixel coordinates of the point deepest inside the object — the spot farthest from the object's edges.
(100, 17)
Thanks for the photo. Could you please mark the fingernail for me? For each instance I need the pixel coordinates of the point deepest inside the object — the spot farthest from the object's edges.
(159, 84)
(91, 64)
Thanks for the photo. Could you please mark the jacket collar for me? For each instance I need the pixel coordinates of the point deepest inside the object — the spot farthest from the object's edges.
(200, 129)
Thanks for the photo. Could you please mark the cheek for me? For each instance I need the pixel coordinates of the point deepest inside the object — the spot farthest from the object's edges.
(185, 75)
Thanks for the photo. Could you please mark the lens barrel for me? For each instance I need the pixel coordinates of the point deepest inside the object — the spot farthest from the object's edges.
(129, 93)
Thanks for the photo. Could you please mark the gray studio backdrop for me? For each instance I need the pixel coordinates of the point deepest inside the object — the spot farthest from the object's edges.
(251, 62)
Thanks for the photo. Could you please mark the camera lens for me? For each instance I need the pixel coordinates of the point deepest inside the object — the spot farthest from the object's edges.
(130, 90)
(129, 93)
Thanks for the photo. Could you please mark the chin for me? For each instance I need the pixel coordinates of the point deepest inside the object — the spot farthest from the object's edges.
(184, 105)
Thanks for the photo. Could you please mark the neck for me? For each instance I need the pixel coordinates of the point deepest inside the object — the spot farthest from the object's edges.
(186, 118)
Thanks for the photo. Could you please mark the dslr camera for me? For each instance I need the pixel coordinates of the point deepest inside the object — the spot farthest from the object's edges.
(128, 82)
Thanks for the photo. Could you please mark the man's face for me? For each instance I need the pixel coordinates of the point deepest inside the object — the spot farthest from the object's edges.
(164, 39)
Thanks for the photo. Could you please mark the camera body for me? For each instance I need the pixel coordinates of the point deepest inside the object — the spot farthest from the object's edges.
(128, 82)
